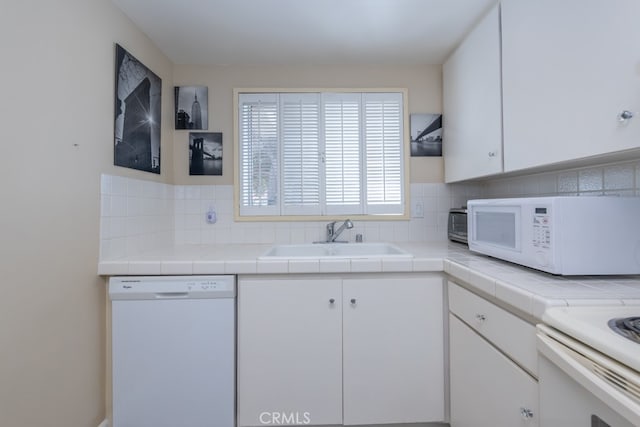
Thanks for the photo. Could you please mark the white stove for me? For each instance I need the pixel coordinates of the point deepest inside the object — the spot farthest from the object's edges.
(589, 370)
(591, 326)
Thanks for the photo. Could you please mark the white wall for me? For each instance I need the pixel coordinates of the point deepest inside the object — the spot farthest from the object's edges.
(56, 121)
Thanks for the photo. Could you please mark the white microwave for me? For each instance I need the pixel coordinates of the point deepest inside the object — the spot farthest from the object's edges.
(559, 235)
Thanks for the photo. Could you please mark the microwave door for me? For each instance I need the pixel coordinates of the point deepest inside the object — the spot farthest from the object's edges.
(498, 227)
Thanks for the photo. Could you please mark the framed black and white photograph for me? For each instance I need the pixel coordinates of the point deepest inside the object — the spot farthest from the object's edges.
(192, 107)
(426, 135)
(205, 153)
(138, 99)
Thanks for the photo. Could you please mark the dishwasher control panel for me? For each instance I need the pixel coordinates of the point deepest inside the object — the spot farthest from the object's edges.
(171, 287)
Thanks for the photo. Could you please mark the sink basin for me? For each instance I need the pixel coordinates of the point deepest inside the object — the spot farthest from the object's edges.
(335, 250)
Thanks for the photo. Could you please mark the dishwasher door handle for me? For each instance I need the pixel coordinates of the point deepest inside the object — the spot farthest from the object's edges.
(171, 295)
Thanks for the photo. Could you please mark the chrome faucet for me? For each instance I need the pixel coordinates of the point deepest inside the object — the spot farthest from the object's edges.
(332, 233)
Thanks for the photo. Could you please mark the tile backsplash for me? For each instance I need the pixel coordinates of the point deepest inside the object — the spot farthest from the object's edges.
(616, 179)
(192, 203)
(137, 216)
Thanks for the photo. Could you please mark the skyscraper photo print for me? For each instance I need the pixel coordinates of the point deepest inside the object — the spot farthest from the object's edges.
(138, 94)
(192, 107)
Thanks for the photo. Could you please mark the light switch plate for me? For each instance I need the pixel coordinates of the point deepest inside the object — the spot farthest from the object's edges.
(417, 209)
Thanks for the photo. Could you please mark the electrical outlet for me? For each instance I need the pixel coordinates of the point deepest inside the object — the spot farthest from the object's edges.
(417, 209)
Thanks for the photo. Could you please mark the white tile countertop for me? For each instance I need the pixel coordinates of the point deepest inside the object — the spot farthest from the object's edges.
(243, 259)
(531, 291)
(523, 289)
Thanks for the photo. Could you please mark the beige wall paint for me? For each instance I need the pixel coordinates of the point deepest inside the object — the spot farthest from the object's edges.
(424, 83)
(57, 91)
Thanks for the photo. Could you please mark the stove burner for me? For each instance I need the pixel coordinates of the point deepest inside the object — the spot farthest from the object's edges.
(628, 327)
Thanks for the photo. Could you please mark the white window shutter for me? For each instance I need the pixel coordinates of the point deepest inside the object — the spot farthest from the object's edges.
(258, 138)
(343, 156)
(384, 152)
(321, 153)
(300, 145)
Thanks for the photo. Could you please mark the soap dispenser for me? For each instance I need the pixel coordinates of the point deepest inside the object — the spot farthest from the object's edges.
(211, 216)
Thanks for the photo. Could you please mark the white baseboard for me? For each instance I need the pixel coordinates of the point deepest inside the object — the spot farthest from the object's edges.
(104, 423)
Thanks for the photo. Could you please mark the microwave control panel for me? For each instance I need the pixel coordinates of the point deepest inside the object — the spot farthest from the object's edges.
(541, 228)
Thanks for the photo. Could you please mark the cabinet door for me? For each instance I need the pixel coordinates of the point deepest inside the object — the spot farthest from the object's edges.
(289, 350)
(487, 389)
(472, 104)
(569, 68)
(393, 350)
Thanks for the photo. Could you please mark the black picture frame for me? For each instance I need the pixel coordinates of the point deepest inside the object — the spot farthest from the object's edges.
(426, 135)
(191, 107)
(205, 153)
(137, 114)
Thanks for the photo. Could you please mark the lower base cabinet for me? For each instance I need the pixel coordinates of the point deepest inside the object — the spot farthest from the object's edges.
(487, 388)
(340, 350)
(289, 351)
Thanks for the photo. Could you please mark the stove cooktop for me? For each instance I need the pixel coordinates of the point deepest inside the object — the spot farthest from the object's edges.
(591, 325)
(628, 327)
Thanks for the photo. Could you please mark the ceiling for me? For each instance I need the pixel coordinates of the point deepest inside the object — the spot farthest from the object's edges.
(287, 32)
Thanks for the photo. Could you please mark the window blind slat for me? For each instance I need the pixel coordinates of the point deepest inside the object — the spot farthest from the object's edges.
(259, 154)
(301, 157)
(341, 114)
(383, 139)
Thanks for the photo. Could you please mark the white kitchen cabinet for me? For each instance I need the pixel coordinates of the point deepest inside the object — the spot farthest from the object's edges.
(393, 354)
(569, 68)
(487, 388)
(289, 350)
(512, 335)
(490, 352)
(472, 104)
(358, 350)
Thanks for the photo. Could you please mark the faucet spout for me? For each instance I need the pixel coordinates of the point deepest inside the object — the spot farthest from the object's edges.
(332, 233)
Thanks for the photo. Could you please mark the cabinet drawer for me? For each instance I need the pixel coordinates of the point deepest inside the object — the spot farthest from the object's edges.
(512, 335)
(487, 388)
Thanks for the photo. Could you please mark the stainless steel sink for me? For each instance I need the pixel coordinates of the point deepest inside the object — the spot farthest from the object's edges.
(335, 250)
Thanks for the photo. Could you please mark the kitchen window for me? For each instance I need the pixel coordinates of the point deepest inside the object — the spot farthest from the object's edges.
(303, 153)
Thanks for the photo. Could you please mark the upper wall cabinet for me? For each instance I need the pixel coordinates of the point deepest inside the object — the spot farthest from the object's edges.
(570, 70)
(472, 104)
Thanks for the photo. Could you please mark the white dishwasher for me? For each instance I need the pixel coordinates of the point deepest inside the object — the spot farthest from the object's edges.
(173, 351)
